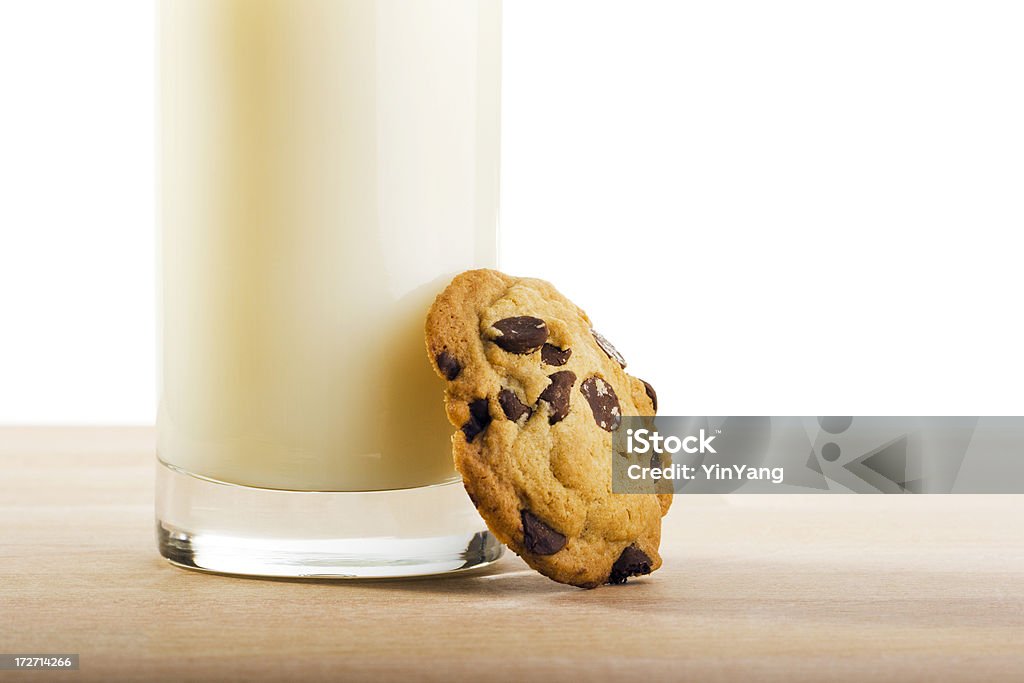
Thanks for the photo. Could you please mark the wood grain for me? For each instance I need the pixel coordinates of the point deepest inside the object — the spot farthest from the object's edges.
(773, 588)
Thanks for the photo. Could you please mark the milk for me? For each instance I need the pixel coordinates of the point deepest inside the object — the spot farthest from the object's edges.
(326, 167)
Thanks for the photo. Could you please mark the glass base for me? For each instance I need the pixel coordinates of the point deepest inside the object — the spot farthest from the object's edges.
(232, 529)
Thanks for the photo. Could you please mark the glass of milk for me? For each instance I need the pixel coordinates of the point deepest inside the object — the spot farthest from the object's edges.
(326, 166)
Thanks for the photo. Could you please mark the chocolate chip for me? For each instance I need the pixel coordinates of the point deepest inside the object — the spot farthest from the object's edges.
(557, 394)
(448, 365)
(603, 403)
(479, 418)
(539, 538)
(651, 394)
(512, 406)
(552, 355)
(632, 562)
(523, 334)
(608, 349)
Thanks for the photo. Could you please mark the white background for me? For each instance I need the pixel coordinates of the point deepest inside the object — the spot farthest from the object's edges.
(770, 207)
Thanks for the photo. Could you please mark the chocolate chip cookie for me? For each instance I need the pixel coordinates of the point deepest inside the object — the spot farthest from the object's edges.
(535, 394)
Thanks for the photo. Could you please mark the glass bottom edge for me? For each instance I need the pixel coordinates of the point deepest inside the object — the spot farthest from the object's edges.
(239, 530)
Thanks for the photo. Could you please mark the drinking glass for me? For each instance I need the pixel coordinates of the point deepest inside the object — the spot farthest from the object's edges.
(325, 167)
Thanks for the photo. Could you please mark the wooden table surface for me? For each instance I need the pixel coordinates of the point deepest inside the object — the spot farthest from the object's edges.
(775, 588)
